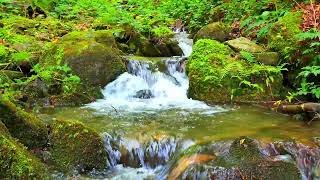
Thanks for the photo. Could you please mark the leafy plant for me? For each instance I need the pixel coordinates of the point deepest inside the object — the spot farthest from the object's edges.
(21, 56)
(248, 56)
(53, 75)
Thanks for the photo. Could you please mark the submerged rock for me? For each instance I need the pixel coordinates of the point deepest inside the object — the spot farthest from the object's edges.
(243, 161)
(16, 162)
(217, 77)
(74, 146)
(26, 127)
(215, 31)
(244, 44)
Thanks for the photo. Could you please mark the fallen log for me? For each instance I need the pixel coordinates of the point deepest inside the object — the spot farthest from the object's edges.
(297, 108)
(311, 111)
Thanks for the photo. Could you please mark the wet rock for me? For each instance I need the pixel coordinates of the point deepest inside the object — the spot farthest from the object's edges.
(144, 94)
(16, 162)
(74, 146)
(215, 31)
(91, 55)
(244, 44)
(307, 158)
(267, 58)
(159, 48)
(243, 161)
(26, 127)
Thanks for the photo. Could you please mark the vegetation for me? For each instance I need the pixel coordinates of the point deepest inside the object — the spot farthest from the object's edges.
(62, 52)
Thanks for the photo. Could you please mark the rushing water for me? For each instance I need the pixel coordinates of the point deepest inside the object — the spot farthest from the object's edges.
(147, 113)
(152, 86)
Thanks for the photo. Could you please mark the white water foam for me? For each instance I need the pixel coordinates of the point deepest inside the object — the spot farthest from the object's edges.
(167, 90)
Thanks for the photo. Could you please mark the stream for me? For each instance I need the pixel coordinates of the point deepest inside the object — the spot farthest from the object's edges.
(147, 113)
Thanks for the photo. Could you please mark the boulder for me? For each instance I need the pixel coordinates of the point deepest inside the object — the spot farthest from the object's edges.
(267, 58)
(165, 47)
(26, 127)
(91, 55)
(217, 77)
(75, 146)
(16, 162)
(245, 44)
(215, 31)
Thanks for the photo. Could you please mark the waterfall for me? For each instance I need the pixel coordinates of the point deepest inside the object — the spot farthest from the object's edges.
(150, 87)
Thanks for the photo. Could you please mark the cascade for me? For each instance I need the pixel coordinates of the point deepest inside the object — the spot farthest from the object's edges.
(152, 87)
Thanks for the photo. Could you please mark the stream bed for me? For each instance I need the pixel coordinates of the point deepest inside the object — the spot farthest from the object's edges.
(147, 119)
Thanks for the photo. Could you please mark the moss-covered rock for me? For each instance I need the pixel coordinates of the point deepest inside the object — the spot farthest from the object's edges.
(216, 77)
(244, 44)
(26, 127)
(282, 36)
(74, 146)
(215, 31)
(267, 58)
(91, 55)
(164, 47)
(16, 162)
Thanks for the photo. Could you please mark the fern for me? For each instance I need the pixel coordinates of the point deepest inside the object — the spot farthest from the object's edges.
(248, 56)
(309, 35)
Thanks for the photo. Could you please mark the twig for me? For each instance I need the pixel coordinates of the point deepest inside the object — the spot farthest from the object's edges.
(115, 109)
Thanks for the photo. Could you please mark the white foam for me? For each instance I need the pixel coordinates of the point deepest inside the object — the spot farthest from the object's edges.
(169, 89)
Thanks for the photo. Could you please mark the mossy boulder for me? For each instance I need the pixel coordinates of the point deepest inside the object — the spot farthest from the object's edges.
(267, 58)
(74, 146)
(26, 127)
(215, 31)
(244, 44)
(164, 47)
(16, 162)
(217, 77)
(91, 55)
(282, 37)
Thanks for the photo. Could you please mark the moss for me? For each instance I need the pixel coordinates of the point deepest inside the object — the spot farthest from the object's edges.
(243, 157)
(242, 149)
(216, 31)
(16, 162)
(11, 74)
(216, 77)
(244, 44)
(95, 63)
(162, 32)
(18, 29)
(282, 36)
(30, 130)
(76, 146)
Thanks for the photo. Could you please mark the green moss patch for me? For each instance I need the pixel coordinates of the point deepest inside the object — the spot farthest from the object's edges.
(217, 77)
(16, 162)
(26, 127)
(74, 146)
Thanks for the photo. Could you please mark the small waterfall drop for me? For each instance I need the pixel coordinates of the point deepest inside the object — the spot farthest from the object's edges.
(153, 86)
